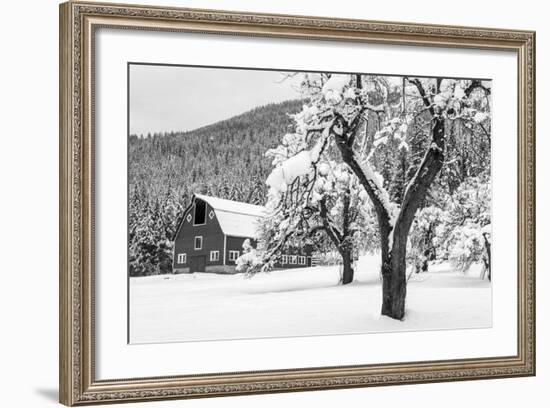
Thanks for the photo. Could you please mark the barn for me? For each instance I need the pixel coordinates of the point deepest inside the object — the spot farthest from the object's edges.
(211, 234)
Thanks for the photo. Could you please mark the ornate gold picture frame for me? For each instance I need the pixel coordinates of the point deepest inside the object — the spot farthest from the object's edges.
(78, 24)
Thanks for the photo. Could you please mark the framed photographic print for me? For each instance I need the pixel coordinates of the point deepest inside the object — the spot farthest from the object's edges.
(260, 203)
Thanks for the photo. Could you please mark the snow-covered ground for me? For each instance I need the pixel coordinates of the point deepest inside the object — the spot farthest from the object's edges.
(300, 302)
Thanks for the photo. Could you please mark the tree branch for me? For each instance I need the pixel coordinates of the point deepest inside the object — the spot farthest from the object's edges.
(352, 132)
(420, 183)
(334, 236)
(476, 83)
(425, 98)
(373, 190)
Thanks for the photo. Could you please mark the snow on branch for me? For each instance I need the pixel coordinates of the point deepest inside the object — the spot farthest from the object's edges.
(294, 167)
(375, 180)
(250, 260)
(422, 92)
(334, 87)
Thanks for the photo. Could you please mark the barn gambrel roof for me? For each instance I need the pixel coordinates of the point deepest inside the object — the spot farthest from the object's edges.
(235, 218)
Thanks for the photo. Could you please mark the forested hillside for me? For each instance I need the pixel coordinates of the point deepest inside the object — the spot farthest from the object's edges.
(225, 159)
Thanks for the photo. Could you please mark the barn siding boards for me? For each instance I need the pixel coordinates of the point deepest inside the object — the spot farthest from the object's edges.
(235, 244)
(212, 240)
(227, 225)
(292, 251)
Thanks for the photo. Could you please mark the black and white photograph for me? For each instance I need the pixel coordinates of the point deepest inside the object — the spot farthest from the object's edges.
(248, 204)
(268, 203)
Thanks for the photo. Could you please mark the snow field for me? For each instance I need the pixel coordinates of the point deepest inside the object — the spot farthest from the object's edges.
(300, 302)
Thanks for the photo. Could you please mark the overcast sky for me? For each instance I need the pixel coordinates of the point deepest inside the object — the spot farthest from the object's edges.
(166, 98)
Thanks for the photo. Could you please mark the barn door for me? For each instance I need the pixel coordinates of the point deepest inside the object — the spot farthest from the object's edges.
(197, 264)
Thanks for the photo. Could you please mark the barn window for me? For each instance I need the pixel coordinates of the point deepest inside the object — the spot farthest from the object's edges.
(293, 259)
(233, 255)
(211, 214)
(284, 259)
(182, 258)
(200, 212)
(214, 255)
(302, 260)
(198, 243)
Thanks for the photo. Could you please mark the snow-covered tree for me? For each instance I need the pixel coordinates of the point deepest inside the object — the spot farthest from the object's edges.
(423, 237)
(467, 227)
(455, 228)
(250, 259)
(152, 225)
(404, 113)
(313, 200)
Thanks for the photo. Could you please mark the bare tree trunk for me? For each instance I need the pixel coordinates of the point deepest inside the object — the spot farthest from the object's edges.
(394, 274)
(488, 260)
(425, 262)
(346, 244)
(342, 241)
(394, 292)
(428, 250)
(347, 276)
(394, 279)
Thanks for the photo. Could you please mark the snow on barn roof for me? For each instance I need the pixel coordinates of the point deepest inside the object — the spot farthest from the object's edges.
(235, 218)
